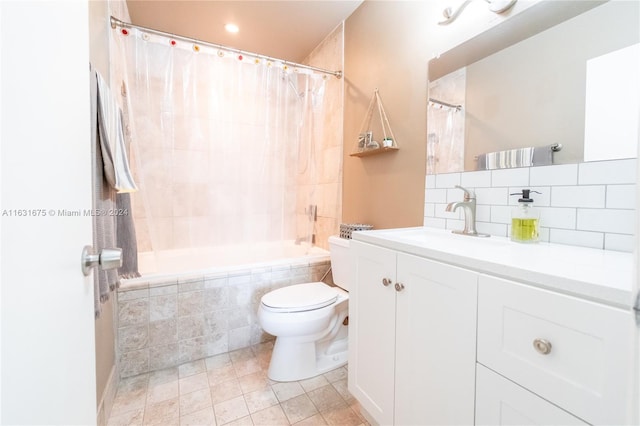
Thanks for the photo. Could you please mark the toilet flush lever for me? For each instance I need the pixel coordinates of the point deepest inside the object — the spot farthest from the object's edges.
(108, 258)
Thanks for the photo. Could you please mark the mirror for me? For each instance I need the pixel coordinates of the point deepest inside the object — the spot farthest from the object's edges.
(534, 81)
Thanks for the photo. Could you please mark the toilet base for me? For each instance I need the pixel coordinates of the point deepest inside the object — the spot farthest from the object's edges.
(311, 359)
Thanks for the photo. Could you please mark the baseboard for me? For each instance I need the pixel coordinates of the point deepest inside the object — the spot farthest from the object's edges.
(109, 394)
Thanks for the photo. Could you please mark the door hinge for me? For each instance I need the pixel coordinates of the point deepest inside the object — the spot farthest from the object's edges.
(636, 308)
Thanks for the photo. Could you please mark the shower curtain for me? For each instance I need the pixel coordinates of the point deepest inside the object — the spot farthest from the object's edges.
(445, 139)
(222, 144)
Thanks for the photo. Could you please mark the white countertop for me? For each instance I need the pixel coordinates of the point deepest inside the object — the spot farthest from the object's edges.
(601, 275)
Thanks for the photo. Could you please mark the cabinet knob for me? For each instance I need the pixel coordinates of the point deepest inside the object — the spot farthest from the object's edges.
(399, 286)
(542, 346)
(386, 282)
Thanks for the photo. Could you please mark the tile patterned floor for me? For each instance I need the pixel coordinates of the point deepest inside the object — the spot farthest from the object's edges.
(233, 389)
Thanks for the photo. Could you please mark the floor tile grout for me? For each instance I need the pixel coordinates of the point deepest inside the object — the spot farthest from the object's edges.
(183, 388)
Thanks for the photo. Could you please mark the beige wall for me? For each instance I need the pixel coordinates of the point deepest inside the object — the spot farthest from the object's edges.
(386, 47)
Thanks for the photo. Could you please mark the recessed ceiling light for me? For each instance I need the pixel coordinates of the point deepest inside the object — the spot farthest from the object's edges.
(232, 28)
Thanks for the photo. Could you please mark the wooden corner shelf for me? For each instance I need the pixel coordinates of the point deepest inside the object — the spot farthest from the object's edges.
(368, 152)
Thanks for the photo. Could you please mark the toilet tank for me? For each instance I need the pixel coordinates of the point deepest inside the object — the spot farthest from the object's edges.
(339, 251)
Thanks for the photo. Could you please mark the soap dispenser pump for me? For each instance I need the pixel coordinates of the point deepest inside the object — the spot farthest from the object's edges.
(525, 219)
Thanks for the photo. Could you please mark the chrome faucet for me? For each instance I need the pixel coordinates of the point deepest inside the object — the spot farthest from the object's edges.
(469, 207)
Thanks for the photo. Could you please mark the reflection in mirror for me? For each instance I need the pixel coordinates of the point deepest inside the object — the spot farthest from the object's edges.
(533, 94)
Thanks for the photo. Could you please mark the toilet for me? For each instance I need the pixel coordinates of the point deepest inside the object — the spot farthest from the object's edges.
(309, 322)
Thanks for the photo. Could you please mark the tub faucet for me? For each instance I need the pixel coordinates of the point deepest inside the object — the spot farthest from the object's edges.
(469, 207)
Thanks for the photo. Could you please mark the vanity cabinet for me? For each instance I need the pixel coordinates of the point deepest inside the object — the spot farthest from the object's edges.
(454, 330)
(412, 338)
(572, 352)
(502, 402)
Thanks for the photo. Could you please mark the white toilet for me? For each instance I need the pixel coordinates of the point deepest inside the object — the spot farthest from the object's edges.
(307, 320)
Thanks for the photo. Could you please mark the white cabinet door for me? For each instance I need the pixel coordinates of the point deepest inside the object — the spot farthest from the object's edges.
(372, 330)
(435, 343)
(502, 402)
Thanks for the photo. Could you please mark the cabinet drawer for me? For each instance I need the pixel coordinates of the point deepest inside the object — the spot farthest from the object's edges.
(501, 402)
(586, 370)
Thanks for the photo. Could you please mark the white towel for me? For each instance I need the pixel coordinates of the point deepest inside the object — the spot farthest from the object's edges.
(114, 154)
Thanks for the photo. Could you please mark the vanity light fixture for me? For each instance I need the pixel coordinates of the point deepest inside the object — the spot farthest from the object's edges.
(496, 6)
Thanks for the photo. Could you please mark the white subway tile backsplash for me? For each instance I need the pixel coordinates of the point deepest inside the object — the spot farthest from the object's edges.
(510, 177)
(440, 211)
(577, 238)
(454, 194)
(479, 179)
(497, 229)
(430, 181)
(434, 222)
(447, 180)
(590, 196)
(605, 172)
(429, 209)
(558, 217)
(619, 242)
(436, 195)
(589, 204)
(562, 174)
(455, 224)
(606, 220)
(621, 197)
(499, 196)
(501, 214)
(544, 234)
(483, 213)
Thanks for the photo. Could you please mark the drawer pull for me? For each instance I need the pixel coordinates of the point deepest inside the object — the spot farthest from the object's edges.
(399, 286)
(386, 282)
(542, 346)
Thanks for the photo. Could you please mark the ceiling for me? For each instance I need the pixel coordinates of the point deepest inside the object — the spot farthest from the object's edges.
(287, 30)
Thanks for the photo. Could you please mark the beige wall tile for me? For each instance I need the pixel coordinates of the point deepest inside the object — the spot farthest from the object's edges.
(133, 337)
(163, 332)
(161, 357)
(163, 307)
(133, 312)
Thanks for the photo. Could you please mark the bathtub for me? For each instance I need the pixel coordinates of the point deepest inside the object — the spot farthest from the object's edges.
(205, 259)
(192, 304)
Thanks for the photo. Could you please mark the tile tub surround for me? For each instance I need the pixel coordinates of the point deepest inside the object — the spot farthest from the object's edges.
(165, 322)
(587, 204)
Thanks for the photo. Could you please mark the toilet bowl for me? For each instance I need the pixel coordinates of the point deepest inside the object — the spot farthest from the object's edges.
(309, 322)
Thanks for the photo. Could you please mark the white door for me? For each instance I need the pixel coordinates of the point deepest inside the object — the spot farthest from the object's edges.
(48, 359)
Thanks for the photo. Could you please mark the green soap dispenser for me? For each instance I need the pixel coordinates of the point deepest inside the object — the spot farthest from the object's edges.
(525, 219)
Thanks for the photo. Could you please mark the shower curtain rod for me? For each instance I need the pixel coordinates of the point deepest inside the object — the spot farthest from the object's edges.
(115, 22)
(446, 104)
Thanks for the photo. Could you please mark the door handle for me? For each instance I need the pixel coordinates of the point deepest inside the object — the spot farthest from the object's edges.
(108, 258)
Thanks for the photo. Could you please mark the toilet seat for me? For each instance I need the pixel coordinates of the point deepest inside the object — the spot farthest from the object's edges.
(300, 297)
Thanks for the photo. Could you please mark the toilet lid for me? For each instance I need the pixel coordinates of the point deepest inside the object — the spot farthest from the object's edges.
(300, 297)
